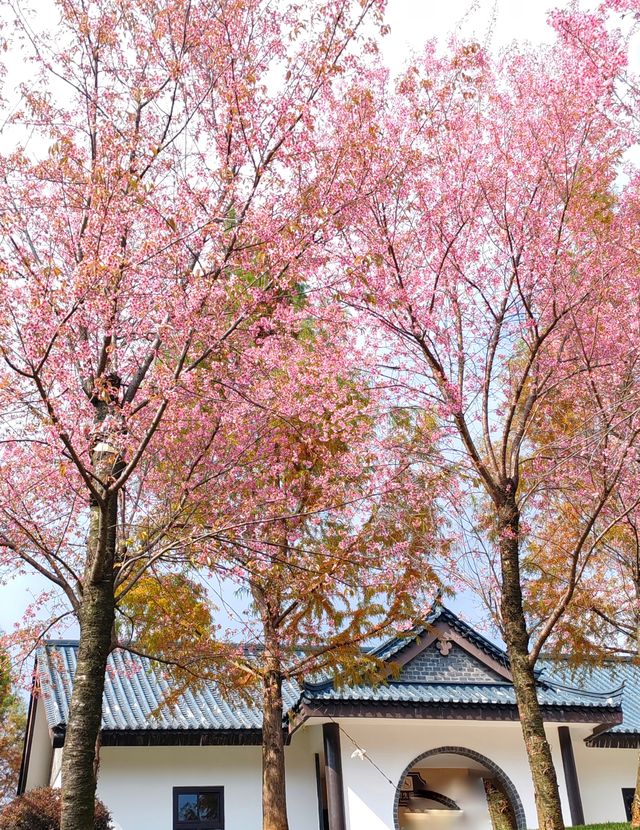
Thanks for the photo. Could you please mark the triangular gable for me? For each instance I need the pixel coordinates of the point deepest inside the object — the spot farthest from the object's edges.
(446, 650)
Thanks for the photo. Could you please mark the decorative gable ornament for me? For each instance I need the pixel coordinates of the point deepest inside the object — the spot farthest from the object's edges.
(443, 644)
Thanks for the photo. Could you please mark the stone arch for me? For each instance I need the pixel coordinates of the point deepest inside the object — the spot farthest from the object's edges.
(506, 783)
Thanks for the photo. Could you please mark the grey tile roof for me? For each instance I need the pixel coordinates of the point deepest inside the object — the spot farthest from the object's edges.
(614, 674)
(494, 694)
(136, 690)
(439, 613)
(552, 691)
(134, 695)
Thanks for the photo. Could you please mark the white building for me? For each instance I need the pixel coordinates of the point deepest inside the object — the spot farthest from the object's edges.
(418, 751)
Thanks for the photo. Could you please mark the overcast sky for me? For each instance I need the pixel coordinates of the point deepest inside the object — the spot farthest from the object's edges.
(492, 22)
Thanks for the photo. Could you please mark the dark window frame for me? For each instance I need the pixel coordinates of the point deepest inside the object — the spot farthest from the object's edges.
(197, 825)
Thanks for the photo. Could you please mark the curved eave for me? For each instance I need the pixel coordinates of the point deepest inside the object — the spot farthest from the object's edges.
(176, 737)
(608, 715)
(614, 740)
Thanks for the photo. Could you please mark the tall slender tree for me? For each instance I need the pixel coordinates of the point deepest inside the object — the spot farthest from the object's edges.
(491, 269)
(326, 529)
(163, 165)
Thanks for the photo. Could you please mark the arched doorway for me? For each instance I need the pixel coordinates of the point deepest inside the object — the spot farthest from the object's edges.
(466, 784)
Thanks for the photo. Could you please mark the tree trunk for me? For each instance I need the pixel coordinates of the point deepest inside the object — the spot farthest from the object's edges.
(635, 807)
(545, 783)
(96, 618)
(274, 796)
(500, 809)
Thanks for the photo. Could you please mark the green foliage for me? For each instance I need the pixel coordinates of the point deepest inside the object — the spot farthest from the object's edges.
(608, 826)
(12, 726)
(40, 810)
(169, 616)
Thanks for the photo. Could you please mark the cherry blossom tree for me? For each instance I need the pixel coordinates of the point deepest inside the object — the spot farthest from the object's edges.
(601, 624)
(491, 269)
(350, 558)
(326, 528)
(164, 205)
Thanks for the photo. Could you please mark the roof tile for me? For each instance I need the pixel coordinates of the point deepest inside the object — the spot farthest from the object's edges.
(136, 689)
(135, 694)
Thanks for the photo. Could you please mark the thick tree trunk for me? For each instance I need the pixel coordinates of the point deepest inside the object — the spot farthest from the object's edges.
(274, 796)
(543, 772)
(96, 618)
(635, 807)
(500, 809)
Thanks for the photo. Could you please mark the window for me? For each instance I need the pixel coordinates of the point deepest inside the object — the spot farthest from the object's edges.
(627, 797)
(198, 808)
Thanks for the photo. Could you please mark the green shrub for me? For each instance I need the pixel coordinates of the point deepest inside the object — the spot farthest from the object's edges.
(40, 810)
(614, 826)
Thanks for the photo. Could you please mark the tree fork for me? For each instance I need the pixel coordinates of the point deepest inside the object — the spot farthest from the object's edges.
(545, 782)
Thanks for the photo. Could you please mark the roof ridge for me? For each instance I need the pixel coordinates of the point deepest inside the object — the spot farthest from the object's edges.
(617, 692)
(492, 646)
(613, 658)
(490, 683)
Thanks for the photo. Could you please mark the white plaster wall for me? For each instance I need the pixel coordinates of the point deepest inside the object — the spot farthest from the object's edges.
(393, 744)
(41, 752)
(601, 775)
(136, 783)
(55, 779)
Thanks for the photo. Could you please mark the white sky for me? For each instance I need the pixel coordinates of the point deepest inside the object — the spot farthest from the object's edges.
(413, 22)
(492, 22)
